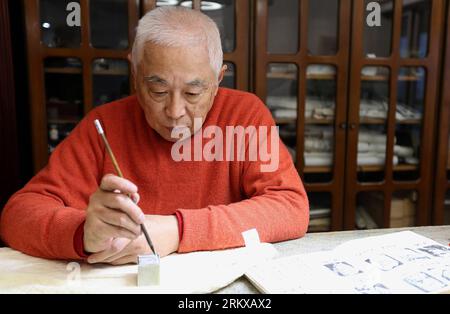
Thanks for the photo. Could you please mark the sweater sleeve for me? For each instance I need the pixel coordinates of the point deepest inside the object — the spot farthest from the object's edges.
(42, 218)
(274, 203)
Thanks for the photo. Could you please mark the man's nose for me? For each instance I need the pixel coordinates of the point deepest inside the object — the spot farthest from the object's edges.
(175, 109)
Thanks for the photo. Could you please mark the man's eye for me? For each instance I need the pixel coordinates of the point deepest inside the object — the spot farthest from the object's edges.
(159, 93)
(192, 94)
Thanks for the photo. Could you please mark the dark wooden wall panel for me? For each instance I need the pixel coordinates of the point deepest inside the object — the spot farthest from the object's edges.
(9, 174)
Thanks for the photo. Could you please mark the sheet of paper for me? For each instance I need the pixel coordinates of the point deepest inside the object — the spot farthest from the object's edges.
(199, 272)
(402, 262)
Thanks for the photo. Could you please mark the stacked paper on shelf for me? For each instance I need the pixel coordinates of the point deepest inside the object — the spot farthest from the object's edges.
(320, 69)
(286, 107)
(370, 108)
(319, 144)
(377, 109)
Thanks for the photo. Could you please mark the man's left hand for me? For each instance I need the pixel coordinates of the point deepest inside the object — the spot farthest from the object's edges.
(163, 231)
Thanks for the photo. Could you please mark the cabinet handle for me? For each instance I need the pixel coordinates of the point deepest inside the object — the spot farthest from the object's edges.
(352, 126)
(343, 125)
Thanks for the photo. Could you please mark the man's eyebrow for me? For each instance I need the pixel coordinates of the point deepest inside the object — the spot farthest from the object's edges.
(197, 83)
(155, 79)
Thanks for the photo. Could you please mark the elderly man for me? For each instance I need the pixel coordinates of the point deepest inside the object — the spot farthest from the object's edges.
(76, 208)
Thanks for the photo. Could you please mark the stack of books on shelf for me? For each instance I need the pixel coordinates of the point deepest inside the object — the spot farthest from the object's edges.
(319, 220)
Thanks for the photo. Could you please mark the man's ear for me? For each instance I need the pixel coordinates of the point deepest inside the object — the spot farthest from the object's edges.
(222, 73)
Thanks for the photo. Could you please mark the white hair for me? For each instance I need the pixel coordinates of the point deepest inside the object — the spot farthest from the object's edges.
(178, 27)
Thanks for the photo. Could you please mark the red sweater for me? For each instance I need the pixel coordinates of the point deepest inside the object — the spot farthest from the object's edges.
(217, 200)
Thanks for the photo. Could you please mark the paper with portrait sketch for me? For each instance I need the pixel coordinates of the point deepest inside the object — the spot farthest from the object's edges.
(198, 272)
(401, 262)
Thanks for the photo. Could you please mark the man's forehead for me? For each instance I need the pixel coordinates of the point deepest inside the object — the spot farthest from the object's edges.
(195, 82)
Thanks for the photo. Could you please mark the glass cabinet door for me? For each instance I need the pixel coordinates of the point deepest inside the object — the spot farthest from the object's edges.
(373, 110)
(319, 113)
(283, 26)
(369, 210)
(109, 24)
(403, 209)
(398, 57)
(60, 23)
(223, 12)
(110, 80)
(319, 212)
(299, 74)
(64, 97)
(377, 39)
(409, 115)
(415, 29)
(323, 27)
(282, 91)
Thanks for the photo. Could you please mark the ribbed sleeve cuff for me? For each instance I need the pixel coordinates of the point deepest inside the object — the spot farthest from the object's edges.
(78, 242)
(180, 224)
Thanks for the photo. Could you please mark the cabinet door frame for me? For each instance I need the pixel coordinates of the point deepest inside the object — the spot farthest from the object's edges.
(394, 63)
(9, 159)
(302, 59)
(441, 182)
(36, 54)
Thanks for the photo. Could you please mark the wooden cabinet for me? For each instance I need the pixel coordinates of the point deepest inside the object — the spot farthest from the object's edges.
(301, 72)
(406, 70)
(356, 105)
(441, 202)
(72, 67)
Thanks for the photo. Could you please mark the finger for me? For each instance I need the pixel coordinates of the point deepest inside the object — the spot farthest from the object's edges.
(135, 197)
(133, 248)
(115, 248)
(110, 231)
(120, 219)
(125, 204)
(117, 256)
(111, 182)
(129, 259)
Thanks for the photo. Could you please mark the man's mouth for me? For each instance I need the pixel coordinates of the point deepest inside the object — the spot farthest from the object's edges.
(177, 129)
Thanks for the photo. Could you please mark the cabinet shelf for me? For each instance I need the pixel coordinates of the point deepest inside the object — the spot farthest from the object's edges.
(365, 120)
(318, 76)
(283, 121)
(64, 70)
(73, 120)
(319, 121)
(110, 72)
(386, 78)
(368, 168)
(329, 121)
(377, 168)
(293, 76)
(317, 169)
(321, 76)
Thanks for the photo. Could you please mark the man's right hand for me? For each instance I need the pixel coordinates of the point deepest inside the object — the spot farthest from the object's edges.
(112, 214)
